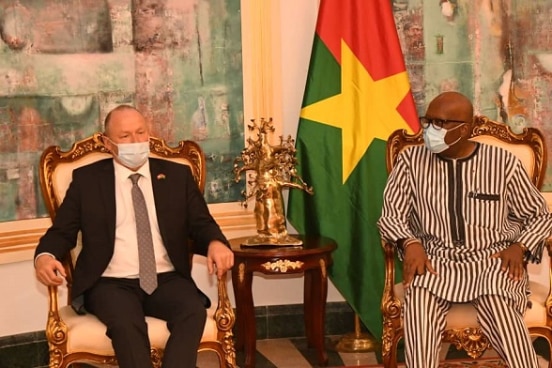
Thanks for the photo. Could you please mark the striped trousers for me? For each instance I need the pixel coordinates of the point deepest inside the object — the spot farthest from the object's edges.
(425, 321)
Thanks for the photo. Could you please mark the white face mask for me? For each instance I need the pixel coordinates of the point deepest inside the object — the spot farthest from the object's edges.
(133, 155)
(434, 139)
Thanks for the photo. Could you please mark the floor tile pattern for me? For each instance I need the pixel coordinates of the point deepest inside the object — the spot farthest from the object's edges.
(294, 353)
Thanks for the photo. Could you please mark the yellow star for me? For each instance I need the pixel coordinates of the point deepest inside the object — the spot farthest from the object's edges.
(365, 109)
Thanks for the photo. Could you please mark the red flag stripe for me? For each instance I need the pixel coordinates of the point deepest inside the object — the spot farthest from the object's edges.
(339, 19)
(375, 43)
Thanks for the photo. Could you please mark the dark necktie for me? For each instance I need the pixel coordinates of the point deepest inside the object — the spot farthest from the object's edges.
(148, 272)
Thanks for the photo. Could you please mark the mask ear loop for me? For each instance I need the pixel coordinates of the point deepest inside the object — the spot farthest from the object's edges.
(103, 140)
(450, 130)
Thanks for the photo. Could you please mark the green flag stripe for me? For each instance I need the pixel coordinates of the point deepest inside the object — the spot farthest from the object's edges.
(346, 213)
(324, 79)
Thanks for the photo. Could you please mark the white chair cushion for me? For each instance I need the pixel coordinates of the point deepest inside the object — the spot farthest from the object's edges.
(462, 315)
(87, 333)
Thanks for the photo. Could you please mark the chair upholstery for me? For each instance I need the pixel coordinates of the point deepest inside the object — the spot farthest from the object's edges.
(462, 328)
(76, 338)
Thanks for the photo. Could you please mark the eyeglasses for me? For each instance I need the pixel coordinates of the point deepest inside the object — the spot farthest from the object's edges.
(436, 122)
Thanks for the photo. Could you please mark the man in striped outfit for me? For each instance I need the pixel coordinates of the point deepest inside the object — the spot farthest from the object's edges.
(465, 217)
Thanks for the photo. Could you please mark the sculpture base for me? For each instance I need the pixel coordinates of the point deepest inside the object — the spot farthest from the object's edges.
(272, 241)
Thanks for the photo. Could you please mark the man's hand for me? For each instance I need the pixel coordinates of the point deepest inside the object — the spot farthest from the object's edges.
(48, 270)
(512, 260)
(219, 257)
(415, 262)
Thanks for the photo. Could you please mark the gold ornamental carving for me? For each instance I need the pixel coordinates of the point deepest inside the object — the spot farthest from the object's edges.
(225, 319)
(241, 272)
(282, 265)
(270, 168)
(470, 339)
(323, 267)
(156, 356)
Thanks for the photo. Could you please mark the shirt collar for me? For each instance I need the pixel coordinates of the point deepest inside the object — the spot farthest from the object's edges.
(122, 173)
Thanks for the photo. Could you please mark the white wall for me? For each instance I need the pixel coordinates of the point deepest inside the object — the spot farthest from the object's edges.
(24, 301)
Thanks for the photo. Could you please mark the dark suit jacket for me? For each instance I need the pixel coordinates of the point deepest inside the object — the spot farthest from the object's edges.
(89, 207)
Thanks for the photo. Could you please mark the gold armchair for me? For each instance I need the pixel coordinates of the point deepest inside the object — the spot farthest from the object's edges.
(76, 338)
(462, 327)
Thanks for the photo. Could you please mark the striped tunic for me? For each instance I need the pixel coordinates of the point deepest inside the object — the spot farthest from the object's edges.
(463, 211)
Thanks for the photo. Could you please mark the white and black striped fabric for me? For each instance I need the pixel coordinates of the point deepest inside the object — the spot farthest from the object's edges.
(501, 322)
(464, 211)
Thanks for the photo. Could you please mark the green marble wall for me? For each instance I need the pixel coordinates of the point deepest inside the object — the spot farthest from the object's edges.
(497, 52)
(65, 63)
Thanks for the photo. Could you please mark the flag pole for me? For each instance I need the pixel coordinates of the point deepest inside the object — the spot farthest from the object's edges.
(357, 341)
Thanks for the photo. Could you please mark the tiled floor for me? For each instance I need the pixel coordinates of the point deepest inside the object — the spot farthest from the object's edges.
(294, 353)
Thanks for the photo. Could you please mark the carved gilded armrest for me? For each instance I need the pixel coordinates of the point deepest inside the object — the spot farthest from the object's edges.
(390, 304)
(56, 329)
(225, 319)
(549, 298)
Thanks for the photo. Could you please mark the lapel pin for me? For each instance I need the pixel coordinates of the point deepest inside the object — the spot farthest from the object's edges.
(161, 176)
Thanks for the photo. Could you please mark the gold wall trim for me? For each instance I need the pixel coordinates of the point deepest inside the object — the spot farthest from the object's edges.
(18, 239)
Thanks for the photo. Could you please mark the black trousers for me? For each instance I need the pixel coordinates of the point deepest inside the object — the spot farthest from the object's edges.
(122, 306)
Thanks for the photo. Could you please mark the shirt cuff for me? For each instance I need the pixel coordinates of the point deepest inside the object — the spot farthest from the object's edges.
(42, 254)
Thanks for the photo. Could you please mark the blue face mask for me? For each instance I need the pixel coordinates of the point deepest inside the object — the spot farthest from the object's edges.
(132, 155)
(434, 139)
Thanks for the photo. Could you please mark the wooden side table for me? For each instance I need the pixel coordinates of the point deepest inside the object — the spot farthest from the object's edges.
(313, 258)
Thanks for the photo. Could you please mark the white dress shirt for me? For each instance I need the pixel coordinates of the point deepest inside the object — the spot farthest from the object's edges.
(124, 262)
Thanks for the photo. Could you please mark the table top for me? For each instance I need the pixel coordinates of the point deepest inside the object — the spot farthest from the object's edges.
(312, 244)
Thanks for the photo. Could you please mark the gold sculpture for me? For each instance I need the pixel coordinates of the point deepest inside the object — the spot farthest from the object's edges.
(271, 168)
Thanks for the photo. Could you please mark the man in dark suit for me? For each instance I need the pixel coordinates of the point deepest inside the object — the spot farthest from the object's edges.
(107, 282)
